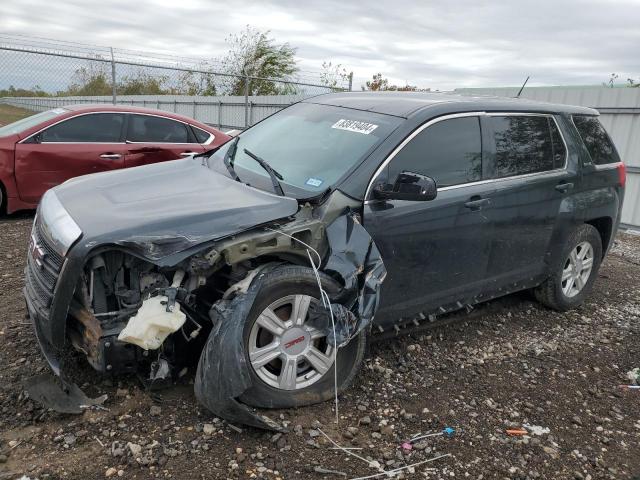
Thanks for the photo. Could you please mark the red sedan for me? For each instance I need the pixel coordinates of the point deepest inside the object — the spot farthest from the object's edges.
(44, 150)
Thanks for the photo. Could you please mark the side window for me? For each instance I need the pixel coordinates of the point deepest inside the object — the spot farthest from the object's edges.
(147, 128)
(92, 128)
(596, 140)
(559, 148)
(449, 151)
(523, 145)
(201, 135)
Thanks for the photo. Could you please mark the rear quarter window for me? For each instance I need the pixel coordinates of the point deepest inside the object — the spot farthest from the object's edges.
(524, 145)
(595, 138)
(201, 135)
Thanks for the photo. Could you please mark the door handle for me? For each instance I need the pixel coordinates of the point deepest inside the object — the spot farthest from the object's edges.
(564, 187)
(187, 154)
(477, 203)
(111, 156)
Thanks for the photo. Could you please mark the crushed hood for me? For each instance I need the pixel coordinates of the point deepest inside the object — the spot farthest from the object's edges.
(164, 208)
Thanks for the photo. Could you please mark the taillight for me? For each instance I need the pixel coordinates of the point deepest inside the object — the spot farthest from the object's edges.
(622, 174)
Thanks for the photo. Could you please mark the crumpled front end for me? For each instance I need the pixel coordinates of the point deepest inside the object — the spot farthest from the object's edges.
(126, 313)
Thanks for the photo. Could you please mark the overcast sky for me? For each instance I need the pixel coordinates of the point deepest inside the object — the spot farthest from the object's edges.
(438, 44)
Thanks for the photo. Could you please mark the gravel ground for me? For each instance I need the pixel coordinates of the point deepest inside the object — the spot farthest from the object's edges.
(511, 363)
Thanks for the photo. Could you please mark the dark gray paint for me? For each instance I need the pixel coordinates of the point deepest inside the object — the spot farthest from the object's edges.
(163, 208)
(439, 256)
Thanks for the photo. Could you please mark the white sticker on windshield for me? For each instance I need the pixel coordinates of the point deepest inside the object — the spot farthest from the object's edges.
(314, 182)
(355, 126)
(58, 110)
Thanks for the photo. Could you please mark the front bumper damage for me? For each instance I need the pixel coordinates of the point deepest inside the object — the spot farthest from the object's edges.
(349, 256)
(223, 375)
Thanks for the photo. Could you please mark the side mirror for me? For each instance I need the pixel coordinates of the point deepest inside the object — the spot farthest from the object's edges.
(408, 186)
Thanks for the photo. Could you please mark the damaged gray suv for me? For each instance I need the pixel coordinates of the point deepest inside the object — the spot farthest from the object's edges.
(271, 261)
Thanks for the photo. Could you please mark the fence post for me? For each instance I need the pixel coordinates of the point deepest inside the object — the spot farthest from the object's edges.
(194, 109)
(219, 113)
(246, 100)
(250, 113)
(113, 77)
(351, 81)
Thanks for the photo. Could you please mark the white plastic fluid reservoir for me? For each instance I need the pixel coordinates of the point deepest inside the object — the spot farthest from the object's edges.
(152, 324)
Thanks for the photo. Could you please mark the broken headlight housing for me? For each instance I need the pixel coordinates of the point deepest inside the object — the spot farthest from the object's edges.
(56, 223)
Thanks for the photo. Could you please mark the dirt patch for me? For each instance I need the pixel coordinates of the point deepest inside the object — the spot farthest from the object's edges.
(9, 114)
(517, 363)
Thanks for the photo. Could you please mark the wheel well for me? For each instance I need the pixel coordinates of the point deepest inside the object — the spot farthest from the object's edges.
(604, 225)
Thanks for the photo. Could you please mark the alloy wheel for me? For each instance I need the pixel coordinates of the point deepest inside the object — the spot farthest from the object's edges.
(284, 350)
(577, 269)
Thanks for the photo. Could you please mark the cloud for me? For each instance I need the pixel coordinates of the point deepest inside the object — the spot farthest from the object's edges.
(439, 44)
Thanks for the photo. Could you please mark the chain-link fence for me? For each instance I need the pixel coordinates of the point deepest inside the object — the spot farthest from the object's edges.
(40, 73)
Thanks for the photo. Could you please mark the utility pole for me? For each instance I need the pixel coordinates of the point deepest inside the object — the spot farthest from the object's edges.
(246, 100)
(113, 77)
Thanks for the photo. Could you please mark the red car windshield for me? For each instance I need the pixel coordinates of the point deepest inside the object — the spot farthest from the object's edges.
(26, 123)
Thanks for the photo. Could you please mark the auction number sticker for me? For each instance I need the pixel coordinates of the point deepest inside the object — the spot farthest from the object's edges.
(355, 126)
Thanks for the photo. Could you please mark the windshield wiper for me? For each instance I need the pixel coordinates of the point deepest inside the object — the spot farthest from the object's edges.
(272, 173)
(228, 159)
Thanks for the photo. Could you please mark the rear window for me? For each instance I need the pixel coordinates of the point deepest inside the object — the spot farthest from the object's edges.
(595, 138)
(524, 144)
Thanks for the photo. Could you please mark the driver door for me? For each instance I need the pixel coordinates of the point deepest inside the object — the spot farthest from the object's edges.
(153, 139)
(86, 143)
(436, 252)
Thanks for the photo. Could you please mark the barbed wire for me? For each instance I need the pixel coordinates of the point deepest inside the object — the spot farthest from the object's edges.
(72, 49)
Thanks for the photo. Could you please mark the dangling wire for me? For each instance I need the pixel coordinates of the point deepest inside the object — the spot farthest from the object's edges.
(326, 302)
(327, 305)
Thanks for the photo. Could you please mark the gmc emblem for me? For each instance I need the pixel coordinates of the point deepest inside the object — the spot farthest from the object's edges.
(294, 342)
(36, 252)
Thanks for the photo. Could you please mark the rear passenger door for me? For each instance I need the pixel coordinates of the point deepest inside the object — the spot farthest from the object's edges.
(153, 139)
(529, 168)
(436, 252)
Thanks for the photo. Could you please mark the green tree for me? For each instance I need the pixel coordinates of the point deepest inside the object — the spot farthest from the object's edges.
(380, 84)
(376, 84)
(34, 91)
(255, 54)
(196, 83)
(93, 79)
(142, 83)
(334, 76)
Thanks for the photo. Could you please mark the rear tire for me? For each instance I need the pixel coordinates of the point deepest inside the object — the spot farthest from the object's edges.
(573, 275)
(284, 283)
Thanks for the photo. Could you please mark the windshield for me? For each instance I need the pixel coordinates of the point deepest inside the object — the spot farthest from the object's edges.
(311, 146)
(26, 123)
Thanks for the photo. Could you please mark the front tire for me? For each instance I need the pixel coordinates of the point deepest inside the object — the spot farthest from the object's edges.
(573, 276)
(291, 363)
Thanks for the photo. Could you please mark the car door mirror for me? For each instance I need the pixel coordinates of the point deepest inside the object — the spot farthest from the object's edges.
(408, 186)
